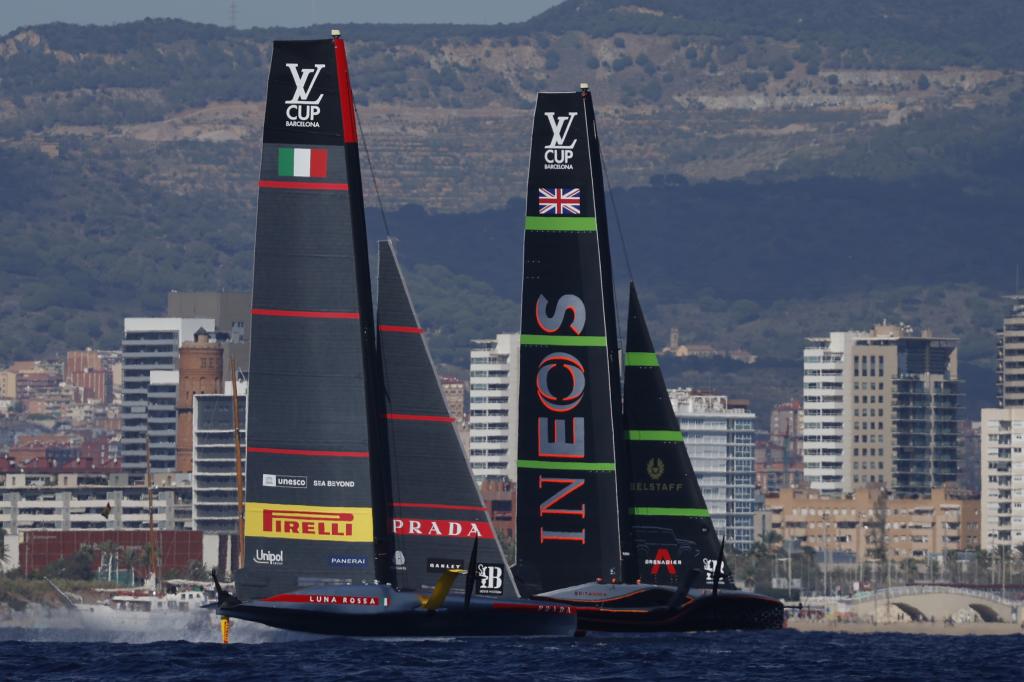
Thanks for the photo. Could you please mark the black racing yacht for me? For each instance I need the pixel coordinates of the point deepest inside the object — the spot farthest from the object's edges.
(361, 516)
(610, 516)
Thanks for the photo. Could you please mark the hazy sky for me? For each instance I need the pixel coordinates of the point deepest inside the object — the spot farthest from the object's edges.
(14, 13)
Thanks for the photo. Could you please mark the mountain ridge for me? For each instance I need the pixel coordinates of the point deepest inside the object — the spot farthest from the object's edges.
(129, 156)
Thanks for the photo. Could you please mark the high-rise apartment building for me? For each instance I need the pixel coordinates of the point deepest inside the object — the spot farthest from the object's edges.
(151, 344)
(881, 407)
(719, 436)
(214, 481)
(493, 406)
(1002, 478)
(778, 462)
(162, 417)
(1010, 356)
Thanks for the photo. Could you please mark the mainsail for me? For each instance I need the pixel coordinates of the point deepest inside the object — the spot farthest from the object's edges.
(568, 523)
(438, 514)
(671, 528)
(315, 448)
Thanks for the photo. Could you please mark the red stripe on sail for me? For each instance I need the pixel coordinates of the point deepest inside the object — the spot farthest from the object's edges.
(310, 453)
(316, 314)
(400, 328)
(418, 418)
(348, 109)
(425, 505)
(318, 164)
(289, 184)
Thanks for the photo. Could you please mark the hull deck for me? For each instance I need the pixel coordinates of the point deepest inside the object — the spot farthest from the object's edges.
(650, 608)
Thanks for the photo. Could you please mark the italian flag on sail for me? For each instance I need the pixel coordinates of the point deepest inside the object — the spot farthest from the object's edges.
(296, 162)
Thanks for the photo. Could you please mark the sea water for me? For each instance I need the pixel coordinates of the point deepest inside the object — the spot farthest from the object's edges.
(775, 655)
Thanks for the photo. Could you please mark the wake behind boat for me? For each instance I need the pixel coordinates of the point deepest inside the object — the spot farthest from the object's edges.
(361, 516)
(611, 519)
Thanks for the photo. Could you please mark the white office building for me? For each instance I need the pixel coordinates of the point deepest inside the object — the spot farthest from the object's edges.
(493, 406)
(1002, 478)
(46, 501)
(823, 413)
(214, 481)
(719, 437)
(150, 344)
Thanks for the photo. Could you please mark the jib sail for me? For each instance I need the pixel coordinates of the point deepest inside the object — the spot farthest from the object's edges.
(437, 512)
(568, 522)
(671, 529)
(309, 514)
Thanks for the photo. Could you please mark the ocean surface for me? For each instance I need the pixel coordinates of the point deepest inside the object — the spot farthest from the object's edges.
(779, 655)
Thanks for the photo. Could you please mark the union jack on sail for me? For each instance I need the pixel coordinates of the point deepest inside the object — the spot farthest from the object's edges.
(559, 201)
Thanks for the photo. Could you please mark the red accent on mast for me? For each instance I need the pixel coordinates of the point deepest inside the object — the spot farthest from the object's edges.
(348, 109)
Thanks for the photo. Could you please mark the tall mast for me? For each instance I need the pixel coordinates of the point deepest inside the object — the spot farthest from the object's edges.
(152, 528)
(622, 465)
(239, 480)
(380, 466)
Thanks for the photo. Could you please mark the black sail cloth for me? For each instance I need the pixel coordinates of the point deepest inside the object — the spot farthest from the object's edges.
(671, 528)
(311, 407)
(568, 524)
(437, 511)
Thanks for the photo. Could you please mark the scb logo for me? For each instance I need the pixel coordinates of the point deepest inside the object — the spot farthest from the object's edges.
(490, 578)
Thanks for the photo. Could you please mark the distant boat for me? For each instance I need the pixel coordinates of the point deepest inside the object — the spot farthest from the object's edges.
(361, 517)
(177, 607)
(610, 517)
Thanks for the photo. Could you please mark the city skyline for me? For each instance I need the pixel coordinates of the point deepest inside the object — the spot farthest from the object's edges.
(206, 363)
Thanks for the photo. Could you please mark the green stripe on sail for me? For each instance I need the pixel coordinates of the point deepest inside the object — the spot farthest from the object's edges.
(561, 223)
(668, 435)
(669, 511)
(285, 162)
(559, 340)
(566, 466)
(641, 360)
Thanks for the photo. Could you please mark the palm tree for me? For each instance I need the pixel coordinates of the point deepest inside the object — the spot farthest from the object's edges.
(134, 557)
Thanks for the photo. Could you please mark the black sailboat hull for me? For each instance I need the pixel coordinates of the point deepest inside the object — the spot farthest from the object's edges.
(648, 608)
(383, 612)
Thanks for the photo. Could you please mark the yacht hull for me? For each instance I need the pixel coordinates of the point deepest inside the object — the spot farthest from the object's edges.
(649, 608)
(384, 612)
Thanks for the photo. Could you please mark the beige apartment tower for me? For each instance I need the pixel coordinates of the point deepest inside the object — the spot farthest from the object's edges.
(881, 407)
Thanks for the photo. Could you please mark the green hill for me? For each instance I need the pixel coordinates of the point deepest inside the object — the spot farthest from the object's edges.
(781, 169)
